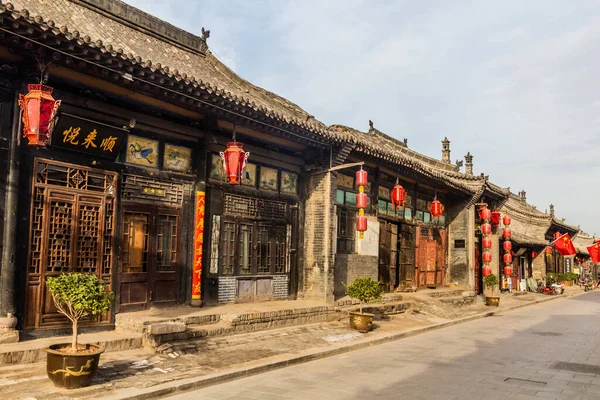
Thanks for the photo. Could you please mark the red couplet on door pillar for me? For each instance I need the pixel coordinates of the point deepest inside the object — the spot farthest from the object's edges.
(198, 244)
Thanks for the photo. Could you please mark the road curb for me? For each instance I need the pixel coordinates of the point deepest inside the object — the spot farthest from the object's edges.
(187, 384)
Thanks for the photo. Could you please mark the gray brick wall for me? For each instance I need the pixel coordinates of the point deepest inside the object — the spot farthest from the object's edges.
(227, 289)
(458, 260)
(280, 287)
(319, 237)
(348, 267)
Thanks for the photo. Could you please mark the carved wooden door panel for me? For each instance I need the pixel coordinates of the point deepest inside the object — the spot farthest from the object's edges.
(407, 256)
(164, 277)
(72, 230)
(385, 244)
(430, 262)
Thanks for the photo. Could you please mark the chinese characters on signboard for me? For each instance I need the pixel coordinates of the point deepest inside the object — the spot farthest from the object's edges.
(86, 136)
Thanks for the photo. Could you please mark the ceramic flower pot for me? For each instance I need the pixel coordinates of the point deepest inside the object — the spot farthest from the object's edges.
(361, 322)
(492, 301)
(72, 370)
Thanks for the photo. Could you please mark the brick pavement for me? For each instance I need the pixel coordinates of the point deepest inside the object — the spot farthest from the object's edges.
(547, 351)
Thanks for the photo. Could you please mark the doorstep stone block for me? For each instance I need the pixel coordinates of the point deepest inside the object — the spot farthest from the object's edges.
(164, 328)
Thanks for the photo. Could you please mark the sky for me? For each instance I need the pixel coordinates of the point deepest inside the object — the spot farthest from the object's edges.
(514, 82)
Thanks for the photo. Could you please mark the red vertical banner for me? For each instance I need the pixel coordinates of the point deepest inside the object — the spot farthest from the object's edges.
(198, 244)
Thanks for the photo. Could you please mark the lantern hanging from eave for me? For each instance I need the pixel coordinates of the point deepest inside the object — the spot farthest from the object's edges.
(496, 218)
(486, 256)
(361, 202)
(39, 109)
(507, 258)
(436, 208)
(533, 254)
(487, 243)
(507, 245)
(508, 271)
(548, 250)
(486, 229)
(507, 233)
(557, 235)
(398, 195)
(234, 161)
(486, 270)
(485, 213)
(506, 220)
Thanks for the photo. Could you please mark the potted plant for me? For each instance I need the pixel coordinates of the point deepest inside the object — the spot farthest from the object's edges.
(76, 296)
(365, 290)
(491, 282)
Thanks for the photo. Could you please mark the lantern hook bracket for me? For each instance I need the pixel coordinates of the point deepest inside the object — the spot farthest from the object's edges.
(344, 166)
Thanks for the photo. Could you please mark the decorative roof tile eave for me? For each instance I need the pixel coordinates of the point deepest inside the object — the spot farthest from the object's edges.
(516, 208)
(400, 160)
(213, 94)
(526, 240)
(572, 230)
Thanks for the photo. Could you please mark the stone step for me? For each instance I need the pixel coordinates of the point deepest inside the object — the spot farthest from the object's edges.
(159, 333)
(446, 293)
(32, 351)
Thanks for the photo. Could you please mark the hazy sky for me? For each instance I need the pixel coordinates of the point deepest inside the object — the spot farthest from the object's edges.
(514, 82)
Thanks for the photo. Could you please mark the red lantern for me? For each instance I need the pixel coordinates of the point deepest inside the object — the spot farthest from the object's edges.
(361, 223)
(507, 233)
(507, 258)
(487, 270)
(548, 250)
(485, 213)
(508, 271)
(486, 256)
(398, 195)
(362, 200)
(507, 245)
(361, 178)
(506, 220)
(496, 217)
(487, 243)
(234, 161)
(436, 208)
(533, 255)
(557, 235)
(39, 109)
(486, 229)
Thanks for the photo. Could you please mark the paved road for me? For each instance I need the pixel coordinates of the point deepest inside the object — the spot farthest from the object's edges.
(550, 350)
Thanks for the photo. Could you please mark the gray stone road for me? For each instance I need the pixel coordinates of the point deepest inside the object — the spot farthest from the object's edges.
(547, 351)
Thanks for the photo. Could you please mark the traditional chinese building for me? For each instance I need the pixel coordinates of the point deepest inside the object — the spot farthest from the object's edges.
(131, 186)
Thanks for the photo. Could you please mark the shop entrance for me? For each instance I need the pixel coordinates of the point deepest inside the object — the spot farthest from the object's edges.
(148, 257)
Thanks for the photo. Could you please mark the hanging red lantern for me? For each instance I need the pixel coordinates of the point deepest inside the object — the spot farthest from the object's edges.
(436, 208)
(361, 223)
(398, 195)
(39, 109)
(361, 178)
(548, 250)
(507, 258)
(487, 243)
(496, 217)
(487, 270)
(533, 255)
(506, 220)
(234, 161)
(486, 256)
(486, 229)
(557, 235)
(508, 271)
(362, 200)
(485, 213)
(507, 233)
(507, 245)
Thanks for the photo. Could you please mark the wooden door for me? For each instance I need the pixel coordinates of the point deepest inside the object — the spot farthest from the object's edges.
(431, 257)
(407, 256)
(149, 257)
(430, 263)
(385, 250)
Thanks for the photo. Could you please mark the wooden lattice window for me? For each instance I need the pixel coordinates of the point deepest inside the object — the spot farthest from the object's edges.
(254, 208)
(139, 188)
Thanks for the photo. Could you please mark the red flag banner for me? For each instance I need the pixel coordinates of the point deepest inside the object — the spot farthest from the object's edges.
(564, 245)
(594, 251)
